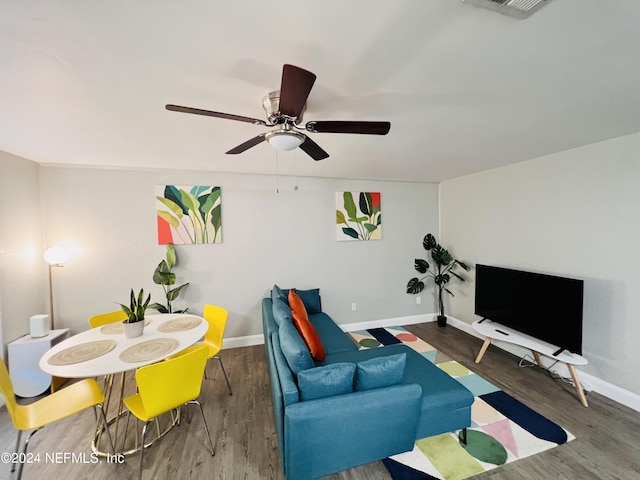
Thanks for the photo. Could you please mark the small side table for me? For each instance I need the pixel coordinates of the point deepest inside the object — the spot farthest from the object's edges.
(24, 355)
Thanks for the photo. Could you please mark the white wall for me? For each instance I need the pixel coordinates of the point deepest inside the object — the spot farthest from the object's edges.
(106, 217)
(575, 214)
(23, 272)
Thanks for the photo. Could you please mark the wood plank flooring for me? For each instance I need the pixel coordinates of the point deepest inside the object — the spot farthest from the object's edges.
(607, 444)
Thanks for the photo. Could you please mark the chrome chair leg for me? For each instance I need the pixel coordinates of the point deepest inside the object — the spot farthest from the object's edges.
(13, 466)
(106, 427)
(126, 429)
(206, 427)
(144, 431)
(24, 453)
(225, 374)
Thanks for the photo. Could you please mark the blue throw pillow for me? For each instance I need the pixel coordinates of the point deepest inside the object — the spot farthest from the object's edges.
(281, 312)
(276, 292)
(326, 381)
(310, 298)
(293, 348)
(380, 371)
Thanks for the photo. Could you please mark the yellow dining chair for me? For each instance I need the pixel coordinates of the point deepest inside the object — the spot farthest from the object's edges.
(105, 318)
(165, 386)
(56, 406)
(217, 319)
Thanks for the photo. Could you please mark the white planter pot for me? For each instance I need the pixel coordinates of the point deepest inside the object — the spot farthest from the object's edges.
(132, 330)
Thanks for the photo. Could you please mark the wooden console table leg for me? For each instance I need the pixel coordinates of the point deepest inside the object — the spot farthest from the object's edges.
(485, 345)
(576, 383)
(536, 355)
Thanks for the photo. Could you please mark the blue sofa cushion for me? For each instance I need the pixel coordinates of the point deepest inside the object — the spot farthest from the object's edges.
(333, 338)
(380, 372)
(294, 349)
(281, 312)
(287, 383)
(321, 382)
(310, 298)
(445, 402)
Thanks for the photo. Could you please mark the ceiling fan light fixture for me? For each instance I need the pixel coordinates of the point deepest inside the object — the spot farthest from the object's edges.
(519, 9)
(285, 140)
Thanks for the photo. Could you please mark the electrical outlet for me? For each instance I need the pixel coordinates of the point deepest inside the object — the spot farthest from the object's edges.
(418, 300)
(354, 307)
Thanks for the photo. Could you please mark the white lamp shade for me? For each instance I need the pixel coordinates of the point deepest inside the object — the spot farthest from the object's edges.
(285, 140)
(56, 255)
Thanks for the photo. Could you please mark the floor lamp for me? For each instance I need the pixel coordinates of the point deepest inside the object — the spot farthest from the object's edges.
(55, 257)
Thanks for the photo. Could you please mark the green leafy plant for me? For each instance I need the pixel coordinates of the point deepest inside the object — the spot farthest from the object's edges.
(137, 307)
(366, 221)
(165, 277)
(442, 273)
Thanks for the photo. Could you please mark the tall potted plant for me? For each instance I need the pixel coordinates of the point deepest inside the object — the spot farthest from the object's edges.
(134, 324)
(164, 276)
(442, 273)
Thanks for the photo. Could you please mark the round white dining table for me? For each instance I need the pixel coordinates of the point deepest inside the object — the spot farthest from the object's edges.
(164, 335)
(105, 351)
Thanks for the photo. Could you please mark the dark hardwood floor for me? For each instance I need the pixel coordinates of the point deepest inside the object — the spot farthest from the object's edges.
(607, 444)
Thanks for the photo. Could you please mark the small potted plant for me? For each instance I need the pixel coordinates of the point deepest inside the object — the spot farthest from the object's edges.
(445, 265)
(134, 324)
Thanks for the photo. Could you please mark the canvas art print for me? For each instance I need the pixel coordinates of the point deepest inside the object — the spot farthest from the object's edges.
(358, 216)
(188, 214)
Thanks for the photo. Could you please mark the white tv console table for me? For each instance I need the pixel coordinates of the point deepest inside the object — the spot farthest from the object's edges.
(492, 330)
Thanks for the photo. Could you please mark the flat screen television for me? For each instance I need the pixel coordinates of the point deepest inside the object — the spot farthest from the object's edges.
(543, 306)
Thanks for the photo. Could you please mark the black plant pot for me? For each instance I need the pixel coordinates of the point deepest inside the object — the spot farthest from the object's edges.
(442, 321)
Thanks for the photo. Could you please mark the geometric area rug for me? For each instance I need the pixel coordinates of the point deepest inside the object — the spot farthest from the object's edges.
(503, 429)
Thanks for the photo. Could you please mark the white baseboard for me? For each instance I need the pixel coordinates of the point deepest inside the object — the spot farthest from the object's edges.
(589, 382)
(389, 322)
(248, 341)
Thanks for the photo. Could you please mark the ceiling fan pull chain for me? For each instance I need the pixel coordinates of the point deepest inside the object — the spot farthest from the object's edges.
(295, 170)
(277, 174)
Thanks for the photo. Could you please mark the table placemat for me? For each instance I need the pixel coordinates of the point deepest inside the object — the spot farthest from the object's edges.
(179, 324)
(82, 352)
(143, 351)
(116, 327)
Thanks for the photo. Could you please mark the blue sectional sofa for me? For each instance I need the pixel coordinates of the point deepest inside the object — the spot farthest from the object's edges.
(355, 406)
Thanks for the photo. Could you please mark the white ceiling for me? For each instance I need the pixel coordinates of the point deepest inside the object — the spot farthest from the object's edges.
(465, 88)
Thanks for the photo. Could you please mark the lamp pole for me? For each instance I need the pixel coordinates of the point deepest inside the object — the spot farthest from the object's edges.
(55, 257)
(51, 297)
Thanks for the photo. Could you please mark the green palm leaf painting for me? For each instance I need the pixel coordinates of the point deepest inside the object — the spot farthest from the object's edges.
(358, 216)
(188, 214)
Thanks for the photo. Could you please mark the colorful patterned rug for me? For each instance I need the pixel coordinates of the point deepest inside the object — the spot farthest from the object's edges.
(502, 430)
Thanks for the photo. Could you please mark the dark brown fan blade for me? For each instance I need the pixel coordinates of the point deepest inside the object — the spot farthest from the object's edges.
(294, 89)
(209, 113)
(247, 145)
(312, 149)
(366, 128)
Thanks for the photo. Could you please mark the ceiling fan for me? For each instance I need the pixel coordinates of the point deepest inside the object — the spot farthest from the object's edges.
(284, 111)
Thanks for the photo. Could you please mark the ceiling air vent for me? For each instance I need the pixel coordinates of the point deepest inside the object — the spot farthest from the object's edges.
(514, 8)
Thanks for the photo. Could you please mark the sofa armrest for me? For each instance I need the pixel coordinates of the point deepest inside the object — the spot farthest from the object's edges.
(331, 434)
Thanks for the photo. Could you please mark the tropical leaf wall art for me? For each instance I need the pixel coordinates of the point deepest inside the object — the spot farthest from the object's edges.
(358, 216)
(188, 214)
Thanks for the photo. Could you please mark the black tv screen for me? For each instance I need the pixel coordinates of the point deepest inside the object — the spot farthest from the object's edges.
(546, 307)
